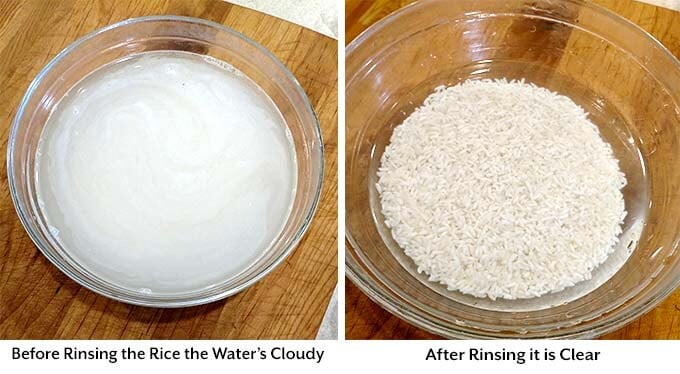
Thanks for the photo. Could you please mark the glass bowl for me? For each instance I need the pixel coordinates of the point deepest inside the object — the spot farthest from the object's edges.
(168, 33)
(625, 79)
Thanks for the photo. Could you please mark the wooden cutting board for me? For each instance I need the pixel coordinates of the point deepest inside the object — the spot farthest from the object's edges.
(37, 301)
(366, 320)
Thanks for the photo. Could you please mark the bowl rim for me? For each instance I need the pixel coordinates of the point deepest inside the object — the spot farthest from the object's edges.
(377, 293)
(183, 300)
(383, 22)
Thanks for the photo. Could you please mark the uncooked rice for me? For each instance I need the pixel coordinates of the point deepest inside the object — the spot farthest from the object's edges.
(501, 189)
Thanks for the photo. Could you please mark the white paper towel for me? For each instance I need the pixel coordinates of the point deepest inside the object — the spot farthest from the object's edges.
(318, 15)
(670, 4)
(329, 325)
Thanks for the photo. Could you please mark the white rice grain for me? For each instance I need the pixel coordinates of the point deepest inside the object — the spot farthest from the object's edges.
(501, 189)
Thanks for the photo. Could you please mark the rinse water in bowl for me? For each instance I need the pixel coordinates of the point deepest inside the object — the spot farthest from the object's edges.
(165, 172)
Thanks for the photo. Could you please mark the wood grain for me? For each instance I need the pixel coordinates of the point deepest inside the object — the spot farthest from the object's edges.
(37, 301)
(366, 320)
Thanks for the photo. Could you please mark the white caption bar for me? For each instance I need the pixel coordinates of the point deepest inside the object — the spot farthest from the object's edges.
(349, 356)
(78, 356)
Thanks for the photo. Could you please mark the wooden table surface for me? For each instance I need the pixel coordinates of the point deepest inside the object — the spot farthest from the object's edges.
(37, 301)
(366, 320)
